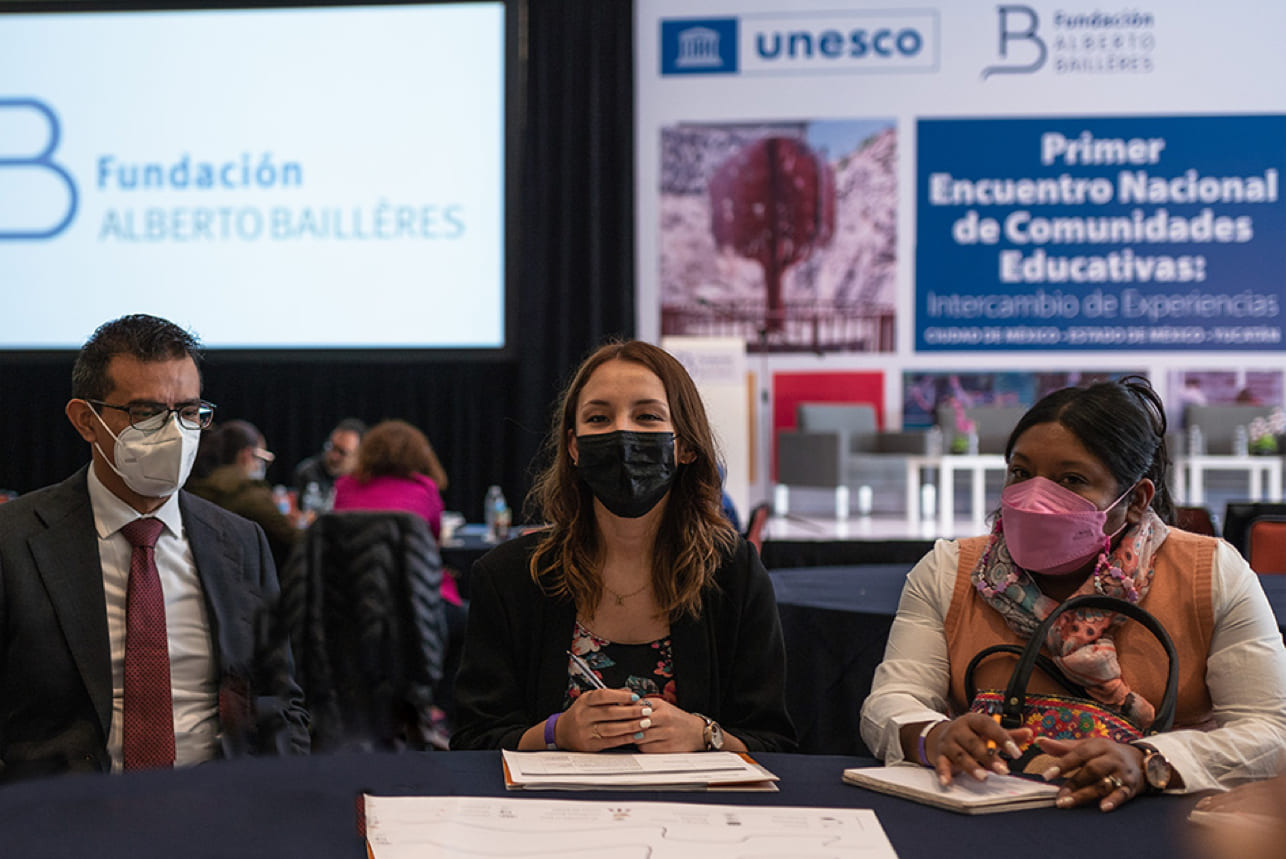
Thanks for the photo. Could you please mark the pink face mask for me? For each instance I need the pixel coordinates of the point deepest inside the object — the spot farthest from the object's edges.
(1049, 529)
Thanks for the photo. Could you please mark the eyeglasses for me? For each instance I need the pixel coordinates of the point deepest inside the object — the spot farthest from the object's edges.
(150, 417)
(331, 446)
(266, 456)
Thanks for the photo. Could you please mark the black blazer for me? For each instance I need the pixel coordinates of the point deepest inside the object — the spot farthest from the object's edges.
(729, 665)
(55, 660)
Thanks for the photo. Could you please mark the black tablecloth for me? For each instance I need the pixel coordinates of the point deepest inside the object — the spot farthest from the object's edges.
(785, 554)
(306, 807)
(836, 621)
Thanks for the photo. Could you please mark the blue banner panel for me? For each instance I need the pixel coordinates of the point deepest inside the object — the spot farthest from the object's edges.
(1091, 234)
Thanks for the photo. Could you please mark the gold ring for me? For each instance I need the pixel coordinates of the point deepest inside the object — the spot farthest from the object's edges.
(594, 732)
(1113, 782)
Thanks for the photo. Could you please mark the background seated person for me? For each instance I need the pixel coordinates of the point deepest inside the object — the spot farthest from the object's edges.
(315, 477)
(639, 574)
(1083, 511)
(230, 472)
(396, 469)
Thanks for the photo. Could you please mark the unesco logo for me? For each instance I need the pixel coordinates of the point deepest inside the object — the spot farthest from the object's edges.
(792, 43)
(38, 196)
(699, 46)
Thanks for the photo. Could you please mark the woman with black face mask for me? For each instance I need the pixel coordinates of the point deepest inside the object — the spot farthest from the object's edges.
(638, 618)
(1084, 515)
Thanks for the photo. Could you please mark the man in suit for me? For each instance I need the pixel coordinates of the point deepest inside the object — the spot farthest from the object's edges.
(83, 596)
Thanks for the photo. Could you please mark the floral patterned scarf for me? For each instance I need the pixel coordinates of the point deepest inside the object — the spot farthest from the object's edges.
(1081, 641)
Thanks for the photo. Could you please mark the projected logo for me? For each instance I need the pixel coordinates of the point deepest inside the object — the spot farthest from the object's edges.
(789, 43)
(699, 47)
(37, 195)
(1092, 42)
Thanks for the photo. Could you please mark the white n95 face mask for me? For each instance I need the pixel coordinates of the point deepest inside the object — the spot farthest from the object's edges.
(153, 464)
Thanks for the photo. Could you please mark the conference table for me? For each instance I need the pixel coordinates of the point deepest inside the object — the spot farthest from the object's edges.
(466, 544)
(836, 621)
(307, 807)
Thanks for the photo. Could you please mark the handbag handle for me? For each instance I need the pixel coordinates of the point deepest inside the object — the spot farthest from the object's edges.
(1016, 692)
(1043, 662)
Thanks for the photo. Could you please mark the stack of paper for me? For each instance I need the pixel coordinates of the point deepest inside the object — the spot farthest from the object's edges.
(585, 770)
(964, 794)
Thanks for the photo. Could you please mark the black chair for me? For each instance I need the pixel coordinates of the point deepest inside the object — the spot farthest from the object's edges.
(1237, 518)
(361, 603)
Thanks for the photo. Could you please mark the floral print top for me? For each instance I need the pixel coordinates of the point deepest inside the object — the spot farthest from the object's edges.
(645, 669)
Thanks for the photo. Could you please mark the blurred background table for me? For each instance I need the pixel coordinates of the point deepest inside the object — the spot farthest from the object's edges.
(836, 621)
(1264, 474)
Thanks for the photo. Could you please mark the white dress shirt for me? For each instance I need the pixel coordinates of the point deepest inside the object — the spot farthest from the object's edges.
(1245, 673)
(193, 681)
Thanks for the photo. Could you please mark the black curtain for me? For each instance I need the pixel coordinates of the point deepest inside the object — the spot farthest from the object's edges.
(574, 266)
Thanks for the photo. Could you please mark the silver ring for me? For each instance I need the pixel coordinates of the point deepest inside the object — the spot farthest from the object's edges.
(1113, 782)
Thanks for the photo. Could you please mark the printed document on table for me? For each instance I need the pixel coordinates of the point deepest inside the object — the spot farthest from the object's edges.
(408, 827)
(581, 770)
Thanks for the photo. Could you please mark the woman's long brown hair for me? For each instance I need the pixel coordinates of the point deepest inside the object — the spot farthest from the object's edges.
(694, 536)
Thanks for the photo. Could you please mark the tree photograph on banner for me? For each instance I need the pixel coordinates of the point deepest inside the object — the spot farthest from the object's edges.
(781, 233)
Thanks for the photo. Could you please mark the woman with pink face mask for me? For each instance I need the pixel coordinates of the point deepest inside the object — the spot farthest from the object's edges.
(1085, 510)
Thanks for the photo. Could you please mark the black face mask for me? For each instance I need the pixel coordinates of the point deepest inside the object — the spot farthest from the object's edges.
(628, 471)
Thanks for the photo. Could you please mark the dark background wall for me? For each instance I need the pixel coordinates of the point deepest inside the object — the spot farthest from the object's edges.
(573, 274)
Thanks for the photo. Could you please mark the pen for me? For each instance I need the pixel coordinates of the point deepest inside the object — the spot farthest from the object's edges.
(991, 744)
(587, 672)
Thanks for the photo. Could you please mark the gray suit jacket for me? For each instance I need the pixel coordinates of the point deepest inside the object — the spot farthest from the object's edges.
(55, 661)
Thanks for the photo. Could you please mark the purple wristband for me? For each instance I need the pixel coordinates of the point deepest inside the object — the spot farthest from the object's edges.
(550, 743)
(924, 736)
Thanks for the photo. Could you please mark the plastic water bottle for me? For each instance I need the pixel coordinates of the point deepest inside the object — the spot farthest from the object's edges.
(1196, 441)
(933, 441)
(971, 442)
(841, 502)
(928, 501)
(864, 498)
(312, 500)
(1240, 442)
(495, 511)
(780, 500)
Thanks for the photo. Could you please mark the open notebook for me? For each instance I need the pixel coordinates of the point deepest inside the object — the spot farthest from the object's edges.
(997, 793)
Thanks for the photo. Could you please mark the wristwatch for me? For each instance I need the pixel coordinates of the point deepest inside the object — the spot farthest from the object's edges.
(712, 735)
(1156, 769)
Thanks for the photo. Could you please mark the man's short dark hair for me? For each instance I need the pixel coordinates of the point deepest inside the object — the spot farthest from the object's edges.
(350, 425)
(146, 338)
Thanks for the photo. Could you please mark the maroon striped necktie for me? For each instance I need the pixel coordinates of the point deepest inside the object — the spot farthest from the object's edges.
(148, 740)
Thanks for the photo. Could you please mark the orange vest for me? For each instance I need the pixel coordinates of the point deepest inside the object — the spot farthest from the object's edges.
(1179, 598)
